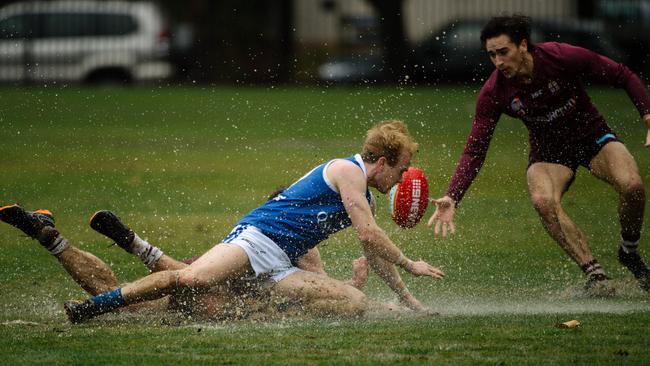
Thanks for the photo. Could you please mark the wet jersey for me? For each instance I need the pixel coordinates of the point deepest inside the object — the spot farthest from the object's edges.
(554, 107)
(304, 214)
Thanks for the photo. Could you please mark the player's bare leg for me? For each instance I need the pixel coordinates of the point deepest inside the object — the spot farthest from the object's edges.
(90, 272)
(221, 263)
(321, 295)
(87, 270)
(220, 301)
(96, 277)
(546, 184)
(616, 166)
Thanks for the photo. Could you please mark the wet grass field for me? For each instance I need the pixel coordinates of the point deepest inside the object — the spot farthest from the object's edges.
(182, 165)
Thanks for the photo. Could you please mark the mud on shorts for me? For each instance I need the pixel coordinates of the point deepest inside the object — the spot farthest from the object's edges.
(573, 154)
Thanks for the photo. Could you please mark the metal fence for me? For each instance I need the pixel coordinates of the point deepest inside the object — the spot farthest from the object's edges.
(270, 40)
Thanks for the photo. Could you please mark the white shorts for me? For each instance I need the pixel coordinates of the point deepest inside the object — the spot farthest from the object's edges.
(265, 256)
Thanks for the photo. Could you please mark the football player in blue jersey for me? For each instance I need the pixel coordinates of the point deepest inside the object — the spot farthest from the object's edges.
(95, 276)
(269, 240)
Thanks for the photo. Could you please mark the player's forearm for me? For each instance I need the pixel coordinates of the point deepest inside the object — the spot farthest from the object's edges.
(637, 93)
(376, 243)
(389, 274)
(473, 156)
(466, 171)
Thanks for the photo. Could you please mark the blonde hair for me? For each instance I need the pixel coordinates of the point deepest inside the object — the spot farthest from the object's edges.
(388, 139)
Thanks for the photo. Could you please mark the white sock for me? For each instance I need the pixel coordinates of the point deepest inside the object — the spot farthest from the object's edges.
(629, 246)
(148, 254)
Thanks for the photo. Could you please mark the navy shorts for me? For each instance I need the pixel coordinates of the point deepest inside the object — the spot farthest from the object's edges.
(573, 154)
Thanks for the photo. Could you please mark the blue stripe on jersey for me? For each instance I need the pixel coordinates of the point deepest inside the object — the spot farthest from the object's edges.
(605, 137)
(304, 214)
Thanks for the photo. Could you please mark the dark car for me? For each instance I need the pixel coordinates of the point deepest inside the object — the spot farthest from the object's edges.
(627, 21)
(455, 54)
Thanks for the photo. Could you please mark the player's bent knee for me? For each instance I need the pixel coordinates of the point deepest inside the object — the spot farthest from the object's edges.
(187, 278)
(184, 279)
(543, 203)
(339, 303)
(634, 189)
(353, 303)
(358, 303)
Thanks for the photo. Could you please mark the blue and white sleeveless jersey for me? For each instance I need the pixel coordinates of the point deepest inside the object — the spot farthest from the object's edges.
(304, 214)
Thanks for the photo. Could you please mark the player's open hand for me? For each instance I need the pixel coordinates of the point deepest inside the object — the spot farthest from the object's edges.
(443, 218)
(422, 268)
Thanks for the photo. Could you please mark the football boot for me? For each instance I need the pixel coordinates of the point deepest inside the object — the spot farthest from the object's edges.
(108, 224)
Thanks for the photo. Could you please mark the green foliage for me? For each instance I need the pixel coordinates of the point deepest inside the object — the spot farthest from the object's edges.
(182, 165)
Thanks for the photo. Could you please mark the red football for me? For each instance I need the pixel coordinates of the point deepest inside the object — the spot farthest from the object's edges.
(409, 199)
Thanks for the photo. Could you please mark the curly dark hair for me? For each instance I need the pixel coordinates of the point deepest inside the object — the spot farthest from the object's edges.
(516, 26)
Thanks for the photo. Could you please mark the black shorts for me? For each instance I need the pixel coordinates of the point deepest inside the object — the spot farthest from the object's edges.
(573, 154)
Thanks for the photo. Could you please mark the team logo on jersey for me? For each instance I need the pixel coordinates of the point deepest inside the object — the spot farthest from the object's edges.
(321, 219)
(517, 106)
(553, 86)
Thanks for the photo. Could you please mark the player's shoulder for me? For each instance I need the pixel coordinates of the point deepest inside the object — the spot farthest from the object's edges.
(556, 50)
(344, 166)
(492, 87)
(549, 47)
(345, 170)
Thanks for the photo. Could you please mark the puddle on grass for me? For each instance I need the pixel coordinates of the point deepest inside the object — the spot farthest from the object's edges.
(20, 323)
(627, 297)
(572, 299)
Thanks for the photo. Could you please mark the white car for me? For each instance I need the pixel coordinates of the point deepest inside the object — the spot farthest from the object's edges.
(83, 41)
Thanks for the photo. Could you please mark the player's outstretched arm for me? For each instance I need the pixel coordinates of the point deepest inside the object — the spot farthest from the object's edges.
(442, 219)
(389, 274)
(352, 187)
